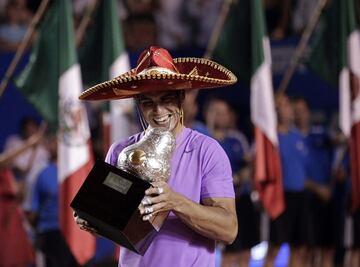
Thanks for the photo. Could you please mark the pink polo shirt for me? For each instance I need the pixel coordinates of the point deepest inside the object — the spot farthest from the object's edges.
(199, 169)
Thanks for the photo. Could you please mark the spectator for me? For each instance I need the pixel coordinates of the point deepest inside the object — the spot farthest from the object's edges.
(290, 226)
(139, 31)
(27, 165)
(278, 14)
(190, 112)
(203, 16)
(219, 117)
(172, 31)
(17, 19)
(43, 214)
(321, 214)
(15, 247)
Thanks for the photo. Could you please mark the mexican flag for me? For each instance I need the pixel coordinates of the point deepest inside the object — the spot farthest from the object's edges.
(105, 37)
(52, 83)
(335, 56)
(244, 48)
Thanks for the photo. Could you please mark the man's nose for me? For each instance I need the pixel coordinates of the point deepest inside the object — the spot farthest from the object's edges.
(157, 107)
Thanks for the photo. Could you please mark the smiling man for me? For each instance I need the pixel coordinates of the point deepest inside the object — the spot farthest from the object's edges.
(199, 194)
(162, 109)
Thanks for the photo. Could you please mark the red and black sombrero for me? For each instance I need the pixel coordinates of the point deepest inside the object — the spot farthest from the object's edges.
(157, 71)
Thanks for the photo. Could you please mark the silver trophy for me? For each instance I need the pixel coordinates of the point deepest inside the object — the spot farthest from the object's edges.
(149, 159)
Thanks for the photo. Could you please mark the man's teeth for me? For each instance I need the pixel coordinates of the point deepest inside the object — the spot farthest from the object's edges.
(162, 119)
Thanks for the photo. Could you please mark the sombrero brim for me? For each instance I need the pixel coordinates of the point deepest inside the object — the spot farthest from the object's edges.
(194, 73)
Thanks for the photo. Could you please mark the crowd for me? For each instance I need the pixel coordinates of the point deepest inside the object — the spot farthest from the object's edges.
(316, 182)
(173, 24)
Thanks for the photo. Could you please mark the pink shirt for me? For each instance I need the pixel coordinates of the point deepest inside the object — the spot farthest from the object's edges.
(199, 169)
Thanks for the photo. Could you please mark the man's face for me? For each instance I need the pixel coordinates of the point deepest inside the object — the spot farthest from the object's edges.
(30, 128)
(284, 110)
(190, 107)
(161, 109)
(218, 115)
(301, 113)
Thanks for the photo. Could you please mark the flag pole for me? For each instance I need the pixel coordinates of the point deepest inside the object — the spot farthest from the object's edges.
(218, 28)
(85, 21)
(23, 45)
(299, 51)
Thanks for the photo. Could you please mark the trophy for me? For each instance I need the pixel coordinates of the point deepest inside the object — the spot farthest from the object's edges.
(110, 196)
(149, 159)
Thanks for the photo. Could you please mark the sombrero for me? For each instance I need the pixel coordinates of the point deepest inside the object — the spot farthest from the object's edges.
(156, 70)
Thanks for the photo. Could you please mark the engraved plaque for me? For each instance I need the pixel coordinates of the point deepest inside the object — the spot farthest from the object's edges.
(117, 183)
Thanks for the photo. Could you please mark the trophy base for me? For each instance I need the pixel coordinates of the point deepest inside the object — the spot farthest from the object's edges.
(109, 199)
(137, 236)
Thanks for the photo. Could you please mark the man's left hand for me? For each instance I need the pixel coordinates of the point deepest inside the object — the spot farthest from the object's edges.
(160, 197)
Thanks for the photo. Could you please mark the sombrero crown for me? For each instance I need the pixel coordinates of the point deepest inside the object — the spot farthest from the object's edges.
(156, 70)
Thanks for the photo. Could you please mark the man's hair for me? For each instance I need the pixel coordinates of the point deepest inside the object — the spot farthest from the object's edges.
(295, 99)
(24, 122)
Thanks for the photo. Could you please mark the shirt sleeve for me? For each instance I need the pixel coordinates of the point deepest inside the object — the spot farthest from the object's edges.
(109, 156)
(116, 148)
(217, 181)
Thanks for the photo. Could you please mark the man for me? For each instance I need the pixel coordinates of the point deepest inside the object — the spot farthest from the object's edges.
(15, 248)
(290, 226)
(323, 227)
(191, 108)
(26, 166)
(219, 118)
(199, 193)
(43, 214)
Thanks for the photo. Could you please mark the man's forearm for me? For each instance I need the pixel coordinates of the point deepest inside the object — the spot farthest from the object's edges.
(213, 219)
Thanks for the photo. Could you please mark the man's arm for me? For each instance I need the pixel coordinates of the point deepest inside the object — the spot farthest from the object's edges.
(215, 218)
(32, 218)
(7, 157)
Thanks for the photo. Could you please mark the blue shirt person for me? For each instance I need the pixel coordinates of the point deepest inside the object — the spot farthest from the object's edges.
(44, 213)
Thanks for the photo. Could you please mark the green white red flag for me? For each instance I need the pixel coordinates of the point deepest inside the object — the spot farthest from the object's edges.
(335, 56)
(52, 83)
(244, 47)
(105, 36)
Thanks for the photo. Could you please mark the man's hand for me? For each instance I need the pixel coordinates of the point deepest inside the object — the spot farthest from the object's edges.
(214, 218)
(158, 198)
(323, 191)
(84, 225)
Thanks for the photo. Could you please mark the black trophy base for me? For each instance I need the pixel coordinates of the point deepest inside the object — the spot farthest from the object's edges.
(109, 200)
